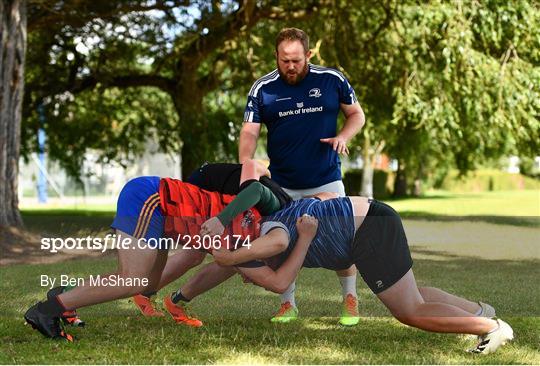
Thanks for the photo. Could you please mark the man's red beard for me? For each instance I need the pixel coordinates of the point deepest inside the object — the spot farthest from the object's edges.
(299, 76)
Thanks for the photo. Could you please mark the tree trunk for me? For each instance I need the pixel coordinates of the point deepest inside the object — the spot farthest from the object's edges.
(400, 184)
(190, 156)
(417, 191)
(12, 57)
(195, 145)
(367, 170)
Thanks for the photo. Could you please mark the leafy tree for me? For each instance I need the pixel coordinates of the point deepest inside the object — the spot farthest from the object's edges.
(188, 50)
(460, 100)
(443, 83)
(81, 54)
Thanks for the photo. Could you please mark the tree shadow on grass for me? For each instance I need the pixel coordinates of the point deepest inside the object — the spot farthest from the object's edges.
(237, 329)
(78, 224)
(314, 341)
(422, 198)
(19, 246)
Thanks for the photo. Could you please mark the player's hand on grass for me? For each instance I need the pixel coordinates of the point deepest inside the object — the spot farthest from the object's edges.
(212, 227)
(307, 226)
(338, 144)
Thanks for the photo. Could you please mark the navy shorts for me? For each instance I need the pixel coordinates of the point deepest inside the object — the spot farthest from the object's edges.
(138, 212)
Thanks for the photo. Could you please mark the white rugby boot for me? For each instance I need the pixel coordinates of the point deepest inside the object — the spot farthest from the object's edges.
(490, 342)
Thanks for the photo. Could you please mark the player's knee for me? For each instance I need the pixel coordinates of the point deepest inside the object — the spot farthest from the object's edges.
(128, 291)
(279, 288)
(407, 318)
(425, 291)
(408, 315)
(197, 259)
(131, 273)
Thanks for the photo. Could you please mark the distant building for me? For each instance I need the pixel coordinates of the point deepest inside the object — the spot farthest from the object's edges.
(98, 179)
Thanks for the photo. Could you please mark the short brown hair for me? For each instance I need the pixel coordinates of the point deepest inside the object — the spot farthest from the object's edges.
(293, 34)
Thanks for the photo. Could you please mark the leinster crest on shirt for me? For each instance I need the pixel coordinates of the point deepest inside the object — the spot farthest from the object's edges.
(315, 93)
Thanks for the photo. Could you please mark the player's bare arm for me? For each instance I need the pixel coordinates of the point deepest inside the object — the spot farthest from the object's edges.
(248, 141)
(354, 121)
(279, 280)
(323, 196)
(268, 245)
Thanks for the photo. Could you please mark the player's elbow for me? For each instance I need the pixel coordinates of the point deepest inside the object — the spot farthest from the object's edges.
(277, 246)
(249, 132)
(281, 246)
(357, 117)
(361, 118)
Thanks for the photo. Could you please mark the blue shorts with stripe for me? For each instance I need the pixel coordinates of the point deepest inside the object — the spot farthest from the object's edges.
(138, 211)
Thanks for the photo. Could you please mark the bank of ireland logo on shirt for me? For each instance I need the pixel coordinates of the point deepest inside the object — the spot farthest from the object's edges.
(315, 93)
(300, 105)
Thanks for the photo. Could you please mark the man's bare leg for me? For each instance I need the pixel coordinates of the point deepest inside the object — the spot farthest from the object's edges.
(208, 277)
(349, 311)
(406, 303)
(178, 264)
(432, 294)
(132, 263)
(205, 279)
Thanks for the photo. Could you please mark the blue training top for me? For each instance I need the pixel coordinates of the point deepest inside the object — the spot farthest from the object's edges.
(297, 117)
(332, 246)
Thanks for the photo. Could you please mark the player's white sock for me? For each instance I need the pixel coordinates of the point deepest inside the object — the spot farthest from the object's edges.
(348, 285)
(289, 295)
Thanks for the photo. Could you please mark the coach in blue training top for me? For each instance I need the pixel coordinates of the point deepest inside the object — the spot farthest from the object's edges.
(299, 104)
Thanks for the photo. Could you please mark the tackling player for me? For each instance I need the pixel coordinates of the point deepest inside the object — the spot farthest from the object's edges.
(369, 234)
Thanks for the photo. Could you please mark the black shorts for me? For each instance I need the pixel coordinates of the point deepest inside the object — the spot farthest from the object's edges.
(380, 249)
(225, 178)
(217, 177)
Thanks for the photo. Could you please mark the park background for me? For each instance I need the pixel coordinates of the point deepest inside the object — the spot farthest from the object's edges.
(96, 92)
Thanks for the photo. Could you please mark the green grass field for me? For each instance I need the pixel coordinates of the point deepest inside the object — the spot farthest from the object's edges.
(500, 203)
(498, 263)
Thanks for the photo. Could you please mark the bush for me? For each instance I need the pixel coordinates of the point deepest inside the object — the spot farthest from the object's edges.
(488, 180)
(528, 167)
(383, 182)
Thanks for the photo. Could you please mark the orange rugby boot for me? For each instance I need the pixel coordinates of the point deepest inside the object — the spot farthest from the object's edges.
(179, 314)
(146, 305)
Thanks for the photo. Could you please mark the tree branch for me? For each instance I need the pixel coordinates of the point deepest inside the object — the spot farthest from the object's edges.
(125, 81)
(41, 14)
(243, 19)
(384, 24)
